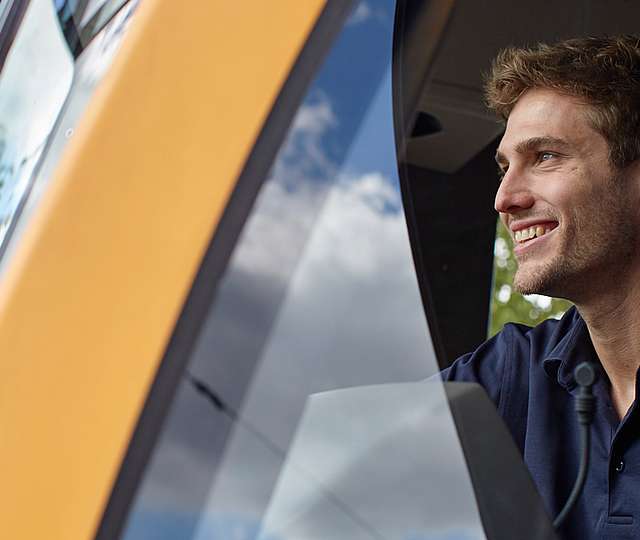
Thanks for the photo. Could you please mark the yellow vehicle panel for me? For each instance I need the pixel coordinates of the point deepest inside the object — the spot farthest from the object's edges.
(92, 293)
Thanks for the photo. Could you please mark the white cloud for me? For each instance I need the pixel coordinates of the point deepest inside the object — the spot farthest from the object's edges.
(364, 12)
(313, 119)
(360, 14)
(289, 202)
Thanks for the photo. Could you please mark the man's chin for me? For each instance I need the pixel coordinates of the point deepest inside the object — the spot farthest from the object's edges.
(527, 288)
(534, 281)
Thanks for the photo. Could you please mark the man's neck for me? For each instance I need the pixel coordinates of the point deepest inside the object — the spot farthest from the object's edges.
(613, 321)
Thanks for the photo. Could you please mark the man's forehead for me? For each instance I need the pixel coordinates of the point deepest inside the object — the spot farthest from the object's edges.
(545, 117)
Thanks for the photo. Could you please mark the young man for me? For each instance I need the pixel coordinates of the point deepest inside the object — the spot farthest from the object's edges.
(570, 196)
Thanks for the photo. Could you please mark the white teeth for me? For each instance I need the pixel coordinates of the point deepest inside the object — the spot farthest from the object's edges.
(532, 232)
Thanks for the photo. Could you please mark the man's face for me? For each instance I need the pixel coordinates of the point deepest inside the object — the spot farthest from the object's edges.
(571, 215)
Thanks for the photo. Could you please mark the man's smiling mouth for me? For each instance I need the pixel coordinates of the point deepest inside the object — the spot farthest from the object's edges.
(525, 234)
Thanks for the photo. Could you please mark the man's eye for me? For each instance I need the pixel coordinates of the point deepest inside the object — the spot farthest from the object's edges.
(501, 173)
(545, 156)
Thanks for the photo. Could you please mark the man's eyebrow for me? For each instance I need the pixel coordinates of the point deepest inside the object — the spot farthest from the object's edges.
(532, 144)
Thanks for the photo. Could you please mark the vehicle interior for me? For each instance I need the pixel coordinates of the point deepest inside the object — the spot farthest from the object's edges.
(447, 140)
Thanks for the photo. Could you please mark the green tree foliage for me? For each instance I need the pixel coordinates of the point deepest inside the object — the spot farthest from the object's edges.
(506, 304)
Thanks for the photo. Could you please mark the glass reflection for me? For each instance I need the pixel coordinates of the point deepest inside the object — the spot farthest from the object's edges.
(81, 20)
(66, 107)
(320, 294)
(34, 84)
(348, 477)
(5, 7)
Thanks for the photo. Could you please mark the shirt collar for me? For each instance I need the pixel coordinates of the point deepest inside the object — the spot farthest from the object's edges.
(574, 346)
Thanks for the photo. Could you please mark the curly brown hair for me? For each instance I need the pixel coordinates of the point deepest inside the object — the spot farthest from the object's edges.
(604, 72)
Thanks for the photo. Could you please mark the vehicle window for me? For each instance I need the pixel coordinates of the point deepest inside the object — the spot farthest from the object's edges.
(34, 84)
(43, 94)
(508, 305)
(275, 425)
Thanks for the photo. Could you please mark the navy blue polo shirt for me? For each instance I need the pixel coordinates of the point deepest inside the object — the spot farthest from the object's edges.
(528, 373)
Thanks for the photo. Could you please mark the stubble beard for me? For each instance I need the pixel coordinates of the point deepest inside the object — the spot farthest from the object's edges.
(595, 250)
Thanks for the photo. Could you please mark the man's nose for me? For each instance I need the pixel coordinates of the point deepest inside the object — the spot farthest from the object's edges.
(513, 194)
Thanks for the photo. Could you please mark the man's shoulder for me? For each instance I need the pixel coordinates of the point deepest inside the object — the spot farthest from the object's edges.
(511, 361)
(546, 335)
(513, 351)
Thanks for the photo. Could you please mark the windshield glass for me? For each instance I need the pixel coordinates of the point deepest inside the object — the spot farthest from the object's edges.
(279, 429)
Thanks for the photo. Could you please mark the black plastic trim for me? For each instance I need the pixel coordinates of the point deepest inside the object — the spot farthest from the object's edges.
(508, 501)
(400, 124)
(214, 263)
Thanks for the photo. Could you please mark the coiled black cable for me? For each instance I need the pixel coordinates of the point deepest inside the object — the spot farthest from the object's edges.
(585, 376)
